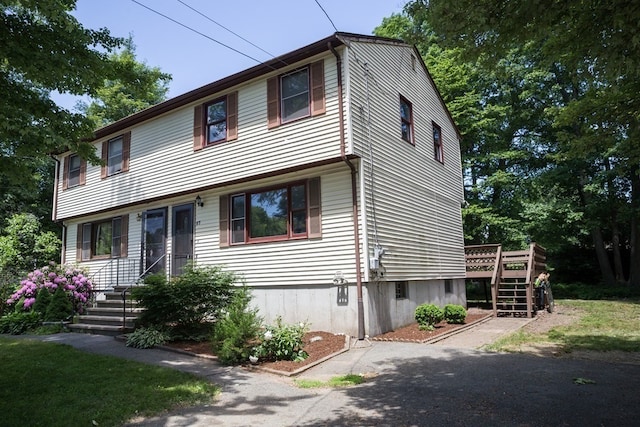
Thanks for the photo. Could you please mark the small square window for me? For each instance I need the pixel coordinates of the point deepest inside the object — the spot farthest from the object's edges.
(448, 286)
(406, 120)
(437, 143)
(402, 290)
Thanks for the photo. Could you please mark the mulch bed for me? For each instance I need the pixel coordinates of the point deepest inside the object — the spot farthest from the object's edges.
(321, 345)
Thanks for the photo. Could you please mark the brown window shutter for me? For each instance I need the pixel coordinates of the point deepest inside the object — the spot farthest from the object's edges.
(273, 103)
(126, 150)
(315, 215)
(83, 172)
(65, 173)
(317, 88)
(124, 236)
(232, 116)
(79, 243)
(105, 159)
(224, 221)
(198, 133)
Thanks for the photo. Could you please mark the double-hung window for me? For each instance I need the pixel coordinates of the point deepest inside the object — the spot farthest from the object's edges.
(216, 121)
(437, 143)
(103, 239)
(115, 155)
(406, 120)
(288, 211)
(296, 95)
(74, 171)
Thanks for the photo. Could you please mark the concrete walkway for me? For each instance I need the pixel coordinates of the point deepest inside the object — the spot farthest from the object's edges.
(450, 383)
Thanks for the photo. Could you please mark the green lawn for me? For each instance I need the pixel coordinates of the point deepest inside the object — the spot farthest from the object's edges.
(45, 384)
(604, 325)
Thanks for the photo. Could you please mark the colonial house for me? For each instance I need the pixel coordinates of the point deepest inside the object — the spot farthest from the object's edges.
(329, 178)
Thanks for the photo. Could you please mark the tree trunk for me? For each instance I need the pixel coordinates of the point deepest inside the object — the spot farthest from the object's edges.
(634, 261)
(603, 259)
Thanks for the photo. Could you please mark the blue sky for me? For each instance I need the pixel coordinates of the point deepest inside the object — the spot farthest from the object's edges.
(275, 26)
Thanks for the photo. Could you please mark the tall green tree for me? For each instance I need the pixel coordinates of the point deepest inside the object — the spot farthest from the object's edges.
(140, 87)
(498, 127)
(593, 48)
(43, 49)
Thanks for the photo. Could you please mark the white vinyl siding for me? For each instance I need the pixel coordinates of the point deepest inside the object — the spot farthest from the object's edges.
(417, 199)
(291, 262)
(163, 148)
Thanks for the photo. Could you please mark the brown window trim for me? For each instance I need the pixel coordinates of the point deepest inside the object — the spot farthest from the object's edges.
(409, 123)
(126, 153)
(317, 96)
(200, 122)
(66, 169)
(313, 214)
(124, 239)
(438, 146)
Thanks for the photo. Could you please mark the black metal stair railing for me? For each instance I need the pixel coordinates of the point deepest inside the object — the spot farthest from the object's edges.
(130, 287)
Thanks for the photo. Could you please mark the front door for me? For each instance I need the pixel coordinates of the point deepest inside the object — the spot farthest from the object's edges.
(182, 237)
(154, 237)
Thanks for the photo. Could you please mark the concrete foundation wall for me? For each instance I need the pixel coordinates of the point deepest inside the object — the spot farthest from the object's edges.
(334, 308)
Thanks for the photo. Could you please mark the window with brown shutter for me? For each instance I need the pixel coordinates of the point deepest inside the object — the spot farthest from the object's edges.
(106, 238)
(216, 121)
(296, 94)
(283, 212)
(73, 171)
(115, 155)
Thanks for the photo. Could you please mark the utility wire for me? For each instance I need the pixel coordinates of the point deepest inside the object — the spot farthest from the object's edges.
(327, 15)
(196, 31)
(222, 26)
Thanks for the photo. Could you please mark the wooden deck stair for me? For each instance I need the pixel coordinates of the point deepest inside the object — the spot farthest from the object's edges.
(512, 274)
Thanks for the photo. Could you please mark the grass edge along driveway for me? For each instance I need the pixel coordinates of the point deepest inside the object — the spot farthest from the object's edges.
(47, 384)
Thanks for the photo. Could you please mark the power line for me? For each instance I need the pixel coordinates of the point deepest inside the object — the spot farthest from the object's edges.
(327, 15)
(196, 31)
(222, 26)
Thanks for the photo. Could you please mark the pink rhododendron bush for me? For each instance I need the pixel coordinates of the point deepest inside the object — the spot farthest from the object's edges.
(73, 281)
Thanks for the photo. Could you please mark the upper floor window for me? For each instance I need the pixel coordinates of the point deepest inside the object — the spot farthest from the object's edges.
(114, 158)
(215, 121)
(103, 239)
(406, 120)
(288, 211)
(115, 155)
(74, 171)
(437, 143)
(295, 95)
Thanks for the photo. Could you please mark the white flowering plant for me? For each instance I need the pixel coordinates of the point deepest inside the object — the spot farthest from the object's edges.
(282, 342)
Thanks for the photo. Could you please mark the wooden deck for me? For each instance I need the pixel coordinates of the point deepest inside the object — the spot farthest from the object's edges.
(511, 274)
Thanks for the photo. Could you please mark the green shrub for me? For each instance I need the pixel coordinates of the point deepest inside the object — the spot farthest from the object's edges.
(454, 313)
(60, 307)
(188, 301)
(43, 299)
(19, 322)
(283, 342)
(146, 338)
(236, 332)
(428, 315)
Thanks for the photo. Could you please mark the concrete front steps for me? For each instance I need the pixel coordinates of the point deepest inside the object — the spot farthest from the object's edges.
(106, 317)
